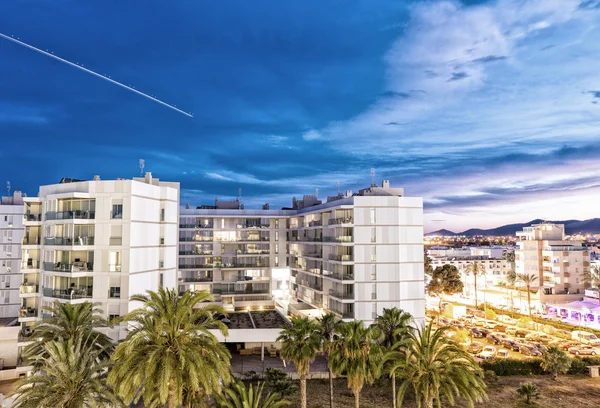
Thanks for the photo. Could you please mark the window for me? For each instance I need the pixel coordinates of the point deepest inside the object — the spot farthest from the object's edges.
(276, 261)
(114, 261)
(161, 280)
(112, 317)
(161, 264)
(162, 241)
(276, 248)
(276, 223)
(374, 311)
(117, 211)
(373, 253)
(373, 272)
(374, 291)
(373, 234)
(277, 235)
(162, 214)
(114, 292)
(372, 215)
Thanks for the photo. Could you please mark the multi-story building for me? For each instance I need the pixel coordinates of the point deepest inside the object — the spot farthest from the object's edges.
(11, 236)
(557, 263)
(354, 255)
(99, 241)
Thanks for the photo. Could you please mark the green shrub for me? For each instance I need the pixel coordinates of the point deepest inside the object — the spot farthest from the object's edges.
(490, 376)
(528, 391)
(490, 314)
(579, 364)
(509, 366)
(279, 382)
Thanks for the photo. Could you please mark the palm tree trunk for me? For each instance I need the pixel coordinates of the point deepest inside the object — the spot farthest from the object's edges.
(330, 386)
(429, 403)
(529, 300)
(356, 399)
(475, 280)
(172, 399)
(303, 390)
(394, 390)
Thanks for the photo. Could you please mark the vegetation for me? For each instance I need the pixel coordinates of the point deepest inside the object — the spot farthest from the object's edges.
(436, 367)
(301, 342)
(68, 322)
(279, 382)
(393, 326)
(327, 331)
(73, 376)
(356, 354)
(490, 314)
(445, 280)
(592, 277)
(527, 281)
(238, 396)
(169, 356)
(555, 361)
(528, 391)
(427, 264)
(476, 268)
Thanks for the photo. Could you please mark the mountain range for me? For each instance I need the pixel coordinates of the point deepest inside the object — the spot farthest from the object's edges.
(590, 226)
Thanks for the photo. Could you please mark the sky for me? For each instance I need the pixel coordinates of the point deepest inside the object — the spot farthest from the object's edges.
(489, 110)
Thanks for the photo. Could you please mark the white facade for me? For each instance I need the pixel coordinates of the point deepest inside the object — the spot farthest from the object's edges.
(11, 236)
(353, 255)
(99, 241)
(556, 262)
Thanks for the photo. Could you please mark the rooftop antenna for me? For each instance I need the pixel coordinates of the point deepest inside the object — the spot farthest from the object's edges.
(240, 194)
(317, 192)
(8, 187)
(142, 165)
(337, 184)
(372, 175)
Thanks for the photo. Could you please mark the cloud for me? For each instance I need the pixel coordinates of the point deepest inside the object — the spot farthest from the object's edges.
(311, 135)
(456, 76)
(490, 58)
(595, 94)
(217, 176)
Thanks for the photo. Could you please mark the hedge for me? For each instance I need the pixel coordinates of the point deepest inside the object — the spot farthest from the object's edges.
(509, 366)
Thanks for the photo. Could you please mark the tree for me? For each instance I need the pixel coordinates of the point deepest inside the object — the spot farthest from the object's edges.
(301, 342)
(592, 277)
(278, 381)
(527, 281)
(476, 268)
(169, 351)
(327, 331)
(69, 322)
(555, 361)
(74, 376)
(435, 367)
(528, 391)
(393, 326)
(356, 354)
(427, 264)
(445, 280)
(490, 314)
(238, 396)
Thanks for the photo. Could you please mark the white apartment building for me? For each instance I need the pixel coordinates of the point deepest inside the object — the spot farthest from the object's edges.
(98, 241)
(558, 263)
(354, 255)
(11, 236)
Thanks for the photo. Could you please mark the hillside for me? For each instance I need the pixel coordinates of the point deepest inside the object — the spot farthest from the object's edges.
(591, 226)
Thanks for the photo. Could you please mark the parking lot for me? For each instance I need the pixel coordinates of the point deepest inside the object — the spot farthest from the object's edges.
(503, 338)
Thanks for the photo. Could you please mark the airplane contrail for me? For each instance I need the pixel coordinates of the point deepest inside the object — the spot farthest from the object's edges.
(89, 71)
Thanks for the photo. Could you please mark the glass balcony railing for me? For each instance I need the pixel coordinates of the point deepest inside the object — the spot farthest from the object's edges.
(197, 252)
(28, 312)
(341, 295)
(343, 220)
(69, 241)
(30, 264)
(316, 223)
(31, 240)
(71, 215)
(339, 276)
(65, 267)
(340, 258)
(196, 279)
(70, 293)
(32, 217)
(27, 288)
(344, 238)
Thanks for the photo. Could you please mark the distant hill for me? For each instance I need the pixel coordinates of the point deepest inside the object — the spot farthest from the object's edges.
(591, 226)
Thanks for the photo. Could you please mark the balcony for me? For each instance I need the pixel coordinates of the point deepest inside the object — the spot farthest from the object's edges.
(254, 252)
(240, 292)
(341, 295)
(64, 267)
(32, 217)
(317, 223)
(343, 220)
(201, 252)
(30, 264)
(339, 276)
(310, 285)
(195, 239)
(28, 289)
(255, 226)
(199, 266)
(344, 238)
(70, 293)
(209, 225)
(71, 215)
(312, 255)
(343, 315)
(341, 258)
(28, 312)
(31, 240)
(196, 279)
(69, 241)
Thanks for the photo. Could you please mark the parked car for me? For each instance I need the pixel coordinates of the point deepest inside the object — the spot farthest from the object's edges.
(510, 344)
(585, 337)
(545, 338)
(511, 330)
(502, 353)
(475, 347)
(458, 324)
(566, 345)
(539, 346)
(489, 324)
(500, 328)
(444, 321)
(583, 350)
(521, 333)
(484, 331)
(487, 353)
(476, 332)
(532, 337)
(529, 351)
(494, 338)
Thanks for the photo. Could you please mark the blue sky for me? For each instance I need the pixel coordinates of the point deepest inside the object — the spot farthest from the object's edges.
(488, 110)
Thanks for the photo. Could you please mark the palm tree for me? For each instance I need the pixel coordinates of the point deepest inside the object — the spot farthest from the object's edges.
(592, 277)
(300, 345)
(69, 322)
(528, 391)
(238, 396)
(74, 376)
(393, 326)
(555, 361)
(169, 352)
(528, 280)
(476, 268)
(356, 354)
(511, 279)
(435, 367)
(327, 325)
